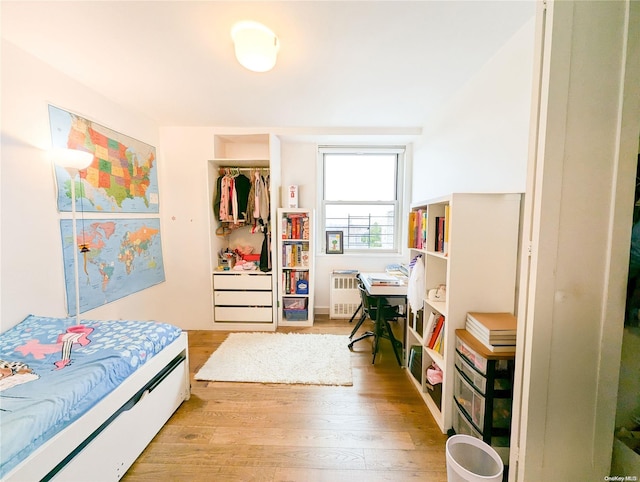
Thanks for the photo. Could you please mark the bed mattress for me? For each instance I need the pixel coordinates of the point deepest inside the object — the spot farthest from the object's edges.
(53, 371)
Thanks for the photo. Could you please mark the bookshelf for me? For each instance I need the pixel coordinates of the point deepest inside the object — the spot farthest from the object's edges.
(468, 244)
(295, 262)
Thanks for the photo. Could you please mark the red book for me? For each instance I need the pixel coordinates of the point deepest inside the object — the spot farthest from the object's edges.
(441, 229)
(436, 331)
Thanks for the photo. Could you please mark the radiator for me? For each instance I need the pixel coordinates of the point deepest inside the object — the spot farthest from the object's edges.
(344, 296)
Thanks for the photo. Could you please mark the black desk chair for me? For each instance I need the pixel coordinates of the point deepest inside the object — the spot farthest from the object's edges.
(355, 313)
(359, 309)
(382, 327)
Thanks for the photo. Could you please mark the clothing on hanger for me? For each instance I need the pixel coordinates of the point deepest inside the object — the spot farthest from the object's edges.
(231, 197)
(416, 286)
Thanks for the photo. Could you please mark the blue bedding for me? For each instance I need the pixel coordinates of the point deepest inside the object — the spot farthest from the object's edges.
(52, 371)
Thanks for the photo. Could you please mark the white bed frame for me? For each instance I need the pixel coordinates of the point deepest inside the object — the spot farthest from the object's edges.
(103, 443)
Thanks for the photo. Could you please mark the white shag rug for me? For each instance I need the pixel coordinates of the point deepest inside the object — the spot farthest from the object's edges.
(303, 358)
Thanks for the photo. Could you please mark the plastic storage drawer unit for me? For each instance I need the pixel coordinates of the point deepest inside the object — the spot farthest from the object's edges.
(477, 360)
(470, 400)
(478, 381)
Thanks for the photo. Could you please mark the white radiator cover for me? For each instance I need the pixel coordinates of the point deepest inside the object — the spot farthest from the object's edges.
(344, 297)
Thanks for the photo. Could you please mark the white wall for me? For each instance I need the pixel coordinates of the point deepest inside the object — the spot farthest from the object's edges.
(478, 143)
(32, 270)
(185, 211)
(299, 167)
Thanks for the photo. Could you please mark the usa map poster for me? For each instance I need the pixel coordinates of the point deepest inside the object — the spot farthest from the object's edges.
(122, 177)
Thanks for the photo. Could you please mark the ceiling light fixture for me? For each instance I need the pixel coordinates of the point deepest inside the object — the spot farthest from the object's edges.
(256, 46)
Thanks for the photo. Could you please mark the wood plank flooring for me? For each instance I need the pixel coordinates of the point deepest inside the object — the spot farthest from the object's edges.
(376, 430)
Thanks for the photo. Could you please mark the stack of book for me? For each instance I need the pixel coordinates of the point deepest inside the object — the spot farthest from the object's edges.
(418, 229)
(384, 279)
(496, 331)
(295, 226)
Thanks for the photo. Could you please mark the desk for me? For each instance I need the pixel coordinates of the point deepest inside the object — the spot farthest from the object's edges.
(388, 291)
(383, 292)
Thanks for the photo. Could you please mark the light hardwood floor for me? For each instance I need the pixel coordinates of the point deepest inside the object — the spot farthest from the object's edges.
(378, 429)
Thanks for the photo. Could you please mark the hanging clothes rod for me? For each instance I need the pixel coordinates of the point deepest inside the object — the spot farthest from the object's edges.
(243, 169)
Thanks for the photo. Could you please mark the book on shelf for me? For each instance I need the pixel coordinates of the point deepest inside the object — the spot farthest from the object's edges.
(295, 226)
(496, 331)
(440, 228)
(290, 280)
(295, 254)
(436, 331)
(493, 324)
(304, 256)
(495, 340)
(447, 220)
(438, 346)
(417, 229)
(497, 348)
(490, 336)
(411, 232)
(423, 230)
(415, 362)
(430, 325)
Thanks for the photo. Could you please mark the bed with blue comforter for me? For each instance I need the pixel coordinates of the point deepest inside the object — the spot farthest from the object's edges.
(53, 371)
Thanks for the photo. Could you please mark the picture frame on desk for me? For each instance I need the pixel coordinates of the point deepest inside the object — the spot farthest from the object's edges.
(334, 243)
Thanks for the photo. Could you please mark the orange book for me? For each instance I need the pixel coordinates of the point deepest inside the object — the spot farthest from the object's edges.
(436, 331)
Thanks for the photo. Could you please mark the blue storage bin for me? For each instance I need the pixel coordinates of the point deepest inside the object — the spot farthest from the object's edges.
(296, 315)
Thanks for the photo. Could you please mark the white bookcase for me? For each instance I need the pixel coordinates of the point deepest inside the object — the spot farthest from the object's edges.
(477, 265)
(295, 272)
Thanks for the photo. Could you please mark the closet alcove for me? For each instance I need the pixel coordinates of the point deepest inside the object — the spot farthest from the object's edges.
(244, 295)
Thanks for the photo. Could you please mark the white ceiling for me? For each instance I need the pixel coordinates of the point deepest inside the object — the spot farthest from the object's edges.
(342, 64)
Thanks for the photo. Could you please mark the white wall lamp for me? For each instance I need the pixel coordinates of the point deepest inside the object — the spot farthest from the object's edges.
(73, 161)
(256, 46)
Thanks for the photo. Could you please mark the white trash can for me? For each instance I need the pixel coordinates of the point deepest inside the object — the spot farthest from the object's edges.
(471, 460)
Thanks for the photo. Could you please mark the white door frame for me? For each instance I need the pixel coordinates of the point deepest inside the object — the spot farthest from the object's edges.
(561, 312)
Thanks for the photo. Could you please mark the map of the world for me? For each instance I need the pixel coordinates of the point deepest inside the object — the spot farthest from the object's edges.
(124, 256)
(122, 177)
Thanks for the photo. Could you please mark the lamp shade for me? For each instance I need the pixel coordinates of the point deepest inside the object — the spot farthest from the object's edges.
(256, 46)
(71, 158)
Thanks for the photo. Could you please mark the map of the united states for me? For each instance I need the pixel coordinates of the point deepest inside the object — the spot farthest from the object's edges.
(122, 176)
(115, 168)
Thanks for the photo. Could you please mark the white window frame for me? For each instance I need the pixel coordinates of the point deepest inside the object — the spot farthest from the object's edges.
(398, 204)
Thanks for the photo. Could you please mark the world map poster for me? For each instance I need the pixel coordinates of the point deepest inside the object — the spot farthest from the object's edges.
(122, 177)
(124, 256)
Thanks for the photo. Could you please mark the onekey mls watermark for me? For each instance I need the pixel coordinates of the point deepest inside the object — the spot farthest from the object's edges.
(621, 478)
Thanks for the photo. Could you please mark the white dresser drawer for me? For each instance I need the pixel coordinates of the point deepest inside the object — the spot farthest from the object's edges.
(242, 281)
(243, 298)
(243, 314)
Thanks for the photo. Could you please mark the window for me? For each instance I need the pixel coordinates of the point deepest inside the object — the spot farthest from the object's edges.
(361, 197)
